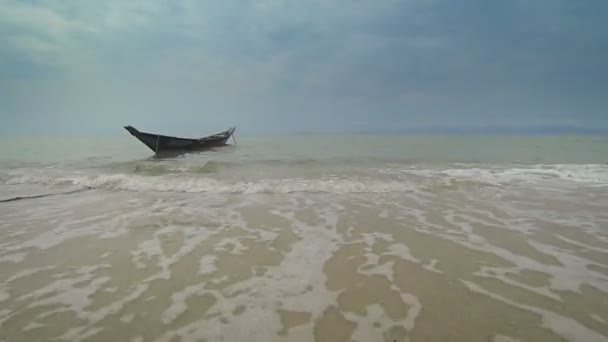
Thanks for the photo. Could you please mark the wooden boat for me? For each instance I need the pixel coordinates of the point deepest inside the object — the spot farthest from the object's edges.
(162, 143)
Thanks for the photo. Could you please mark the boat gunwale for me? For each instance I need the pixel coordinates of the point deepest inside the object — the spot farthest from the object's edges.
(222, 135)
(192, 143)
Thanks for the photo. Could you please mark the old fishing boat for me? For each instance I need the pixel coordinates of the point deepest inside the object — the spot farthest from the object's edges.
(162, 143)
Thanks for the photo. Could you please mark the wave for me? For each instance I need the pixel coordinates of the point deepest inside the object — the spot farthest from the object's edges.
(162, 178)
(156, 168)
(121, 182)
(160, 169)
(583, 174)
(168, 167)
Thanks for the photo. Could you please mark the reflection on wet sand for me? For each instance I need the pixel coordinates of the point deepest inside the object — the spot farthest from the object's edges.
(431, 265)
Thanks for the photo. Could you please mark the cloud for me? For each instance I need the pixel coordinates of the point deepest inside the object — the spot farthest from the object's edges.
(284, 64)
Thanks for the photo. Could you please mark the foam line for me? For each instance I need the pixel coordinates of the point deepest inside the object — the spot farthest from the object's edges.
(20, 198)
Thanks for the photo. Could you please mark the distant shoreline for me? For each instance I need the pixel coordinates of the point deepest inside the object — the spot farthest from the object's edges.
(495, 131)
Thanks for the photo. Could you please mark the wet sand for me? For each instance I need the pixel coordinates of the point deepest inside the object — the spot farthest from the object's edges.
(435, 264)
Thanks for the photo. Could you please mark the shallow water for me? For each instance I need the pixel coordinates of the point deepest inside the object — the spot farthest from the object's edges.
(307, 240)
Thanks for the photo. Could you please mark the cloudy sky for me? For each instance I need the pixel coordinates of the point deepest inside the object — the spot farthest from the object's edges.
(193, 66)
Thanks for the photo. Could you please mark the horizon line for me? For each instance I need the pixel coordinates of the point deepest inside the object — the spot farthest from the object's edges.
(495, 130)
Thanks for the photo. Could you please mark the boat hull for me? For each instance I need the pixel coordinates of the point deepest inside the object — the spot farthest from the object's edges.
(161, 143)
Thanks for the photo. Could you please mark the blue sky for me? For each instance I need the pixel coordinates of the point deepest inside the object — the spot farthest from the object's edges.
(189, 66)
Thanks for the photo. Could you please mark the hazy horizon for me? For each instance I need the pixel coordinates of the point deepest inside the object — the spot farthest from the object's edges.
(194, 132)
(189, 66)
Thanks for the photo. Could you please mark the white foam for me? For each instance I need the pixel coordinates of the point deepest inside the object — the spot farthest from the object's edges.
(573, 274)
(501, 338)
(4, 294)
(178, 302)
(4, 315)
(28, 272)
(33, 325)
(580, 244)
(235, 244)
(207, 264)
(569, 275)
(123, 182)
(413, 312)
(365, 329)
(59, 228)
(590, 173)
(67, 293)
(372, 266)
(402, 251)
(297, 284)
(15, 257)
(566, 327)
(80, 333)
(378, 182)
(127, 318)
(501, 274)
(151, 248)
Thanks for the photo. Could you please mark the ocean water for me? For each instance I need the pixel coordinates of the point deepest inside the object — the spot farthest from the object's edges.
(306, 238)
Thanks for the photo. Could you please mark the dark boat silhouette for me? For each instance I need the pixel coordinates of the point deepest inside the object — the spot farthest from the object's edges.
(163, 143)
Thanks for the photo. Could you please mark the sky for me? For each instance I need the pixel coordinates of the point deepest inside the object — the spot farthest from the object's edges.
(190, 66)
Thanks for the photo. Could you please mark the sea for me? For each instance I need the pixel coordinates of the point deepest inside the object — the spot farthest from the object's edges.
(306, 238)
